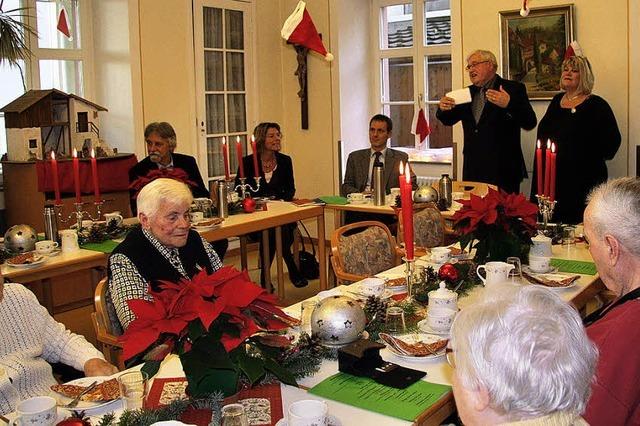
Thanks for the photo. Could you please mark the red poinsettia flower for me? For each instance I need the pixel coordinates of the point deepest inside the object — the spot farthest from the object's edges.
(517, 205)
(171, 173)
(477, 209)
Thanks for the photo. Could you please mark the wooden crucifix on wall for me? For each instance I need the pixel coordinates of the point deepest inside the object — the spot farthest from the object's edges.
(301, 72)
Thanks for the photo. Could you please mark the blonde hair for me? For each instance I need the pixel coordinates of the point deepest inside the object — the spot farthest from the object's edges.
(581, 63)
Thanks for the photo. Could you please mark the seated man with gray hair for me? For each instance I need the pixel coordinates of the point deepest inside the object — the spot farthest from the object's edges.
(521, 357)
(164, 248)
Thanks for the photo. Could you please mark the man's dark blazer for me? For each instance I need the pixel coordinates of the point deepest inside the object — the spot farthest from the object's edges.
(281, 186)
(492, 151)
(357, 171)
(181, 161)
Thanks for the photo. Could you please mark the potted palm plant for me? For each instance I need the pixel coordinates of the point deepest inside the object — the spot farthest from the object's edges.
(13, 32)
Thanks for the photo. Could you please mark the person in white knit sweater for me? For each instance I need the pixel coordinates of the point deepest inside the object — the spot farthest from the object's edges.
(29, 340)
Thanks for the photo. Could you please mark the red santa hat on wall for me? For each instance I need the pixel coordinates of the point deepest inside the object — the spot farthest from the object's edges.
(299, 29)
(573, 49)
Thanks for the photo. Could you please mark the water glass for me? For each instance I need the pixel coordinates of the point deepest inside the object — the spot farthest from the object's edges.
(568, 235)
(306, 309)
(515, 275)
(133, 389)
(234, 415)
(395, 320)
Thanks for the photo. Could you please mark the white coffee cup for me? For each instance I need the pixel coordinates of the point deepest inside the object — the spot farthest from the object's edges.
(539, 263)
(372, 286)
(37, 411)
(46, 246)
(440, 319)
(497, 272)
(307, 412)
(355, 197)
(196, 217)
(69, 239)
(108, 217)
(440, 254)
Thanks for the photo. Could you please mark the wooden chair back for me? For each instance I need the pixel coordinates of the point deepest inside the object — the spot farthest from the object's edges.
(428, 224)
(105, 334)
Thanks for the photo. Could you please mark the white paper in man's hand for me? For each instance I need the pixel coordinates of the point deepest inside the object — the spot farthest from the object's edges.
(461, 96)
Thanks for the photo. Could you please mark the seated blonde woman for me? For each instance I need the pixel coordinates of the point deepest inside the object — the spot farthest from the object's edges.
(521, 357)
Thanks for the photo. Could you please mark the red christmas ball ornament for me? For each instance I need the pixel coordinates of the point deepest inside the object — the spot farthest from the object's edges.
(249, 205)
(449, 273)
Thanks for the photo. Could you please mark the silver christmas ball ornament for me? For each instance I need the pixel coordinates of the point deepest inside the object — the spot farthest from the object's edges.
(20, 239)
(425, 194)
(338, 320)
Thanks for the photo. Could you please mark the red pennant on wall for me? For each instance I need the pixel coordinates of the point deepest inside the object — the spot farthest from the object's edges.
(63, 25)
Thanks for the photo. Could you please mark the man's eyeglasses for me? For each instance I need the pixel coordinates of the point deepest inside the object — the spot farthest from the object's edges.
(451, 357)
(468, 67)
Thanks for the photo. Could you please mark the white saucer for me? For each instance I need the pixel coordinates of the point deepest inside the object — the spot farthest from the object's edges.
(425, 327)
(54, 253)
(332, 421)
(360, 202)
(528, 270)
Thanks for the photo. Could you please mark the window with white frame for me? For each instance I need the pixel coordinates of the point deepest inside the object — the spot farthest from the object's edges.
(57, 61)
(414, 66)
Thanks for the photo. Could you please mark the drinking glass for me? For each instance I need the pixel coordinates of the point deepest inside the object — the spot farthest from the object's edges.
(568, 235)
(133, 389)
(234, 415)
(395, 320)
(515, 275)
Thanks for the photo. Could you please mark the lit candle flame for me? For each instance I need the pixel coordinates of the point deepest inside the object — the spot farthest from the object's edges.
(407, 173)
(75, 153)
(401, 168)
(53, 155)
(553, 147)
(237, 139)
(224, 140)
(538, 144)
(548, 143)
(93, 153)
(253, 138)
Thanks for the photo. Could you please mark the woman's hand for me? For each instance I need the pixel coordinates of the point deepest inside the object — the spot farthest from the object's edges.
(99, 367)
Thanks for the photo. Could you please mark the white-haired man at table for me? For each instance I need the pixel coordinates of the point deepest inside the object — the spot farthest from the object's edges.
(521, 357)
(29, 340)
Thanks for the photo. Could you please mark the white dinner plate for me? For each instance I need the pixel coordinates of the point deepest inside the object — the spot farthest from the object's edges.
(556, 277)
(414, 338)
(84, 405)
(331, 421)
(425, 327)
(355, 290)
(206, 228)
(528, 270)
(28, 265)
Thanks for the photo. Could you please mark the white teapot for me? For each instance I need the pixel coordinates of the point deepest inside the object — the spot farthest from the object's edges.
(443, 298)
(497, 272)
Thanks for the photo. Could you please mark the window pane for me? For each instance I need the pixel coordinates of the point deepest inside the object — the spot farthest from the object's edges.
(233, 157)
(213, 76)
(215, 166)
(397, 79)
(212, 27)
(437, 22)
(441, 136)
(237, 116)
(215, 113)
(396, 26)
(12, 87)
(49, 36)
(234, 29)
(62, 75)
(402, 116)
(438, 76)
(235, 71)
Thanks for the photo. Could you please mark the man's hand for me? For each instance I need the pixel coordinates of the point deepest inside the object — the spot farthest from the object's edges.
(498, 97)
(446, 103)
(99, 367)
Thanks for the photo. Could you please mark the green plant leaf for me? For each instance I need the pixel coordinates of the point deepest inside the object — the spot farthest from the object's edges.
(151, 368)
(280, 372)
(252, 367)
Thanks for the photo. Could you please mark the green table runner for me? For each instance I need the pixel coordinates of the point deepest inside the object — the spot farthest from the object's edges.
(334, 199)
(104, 247)
(574, 266)
(362, 392)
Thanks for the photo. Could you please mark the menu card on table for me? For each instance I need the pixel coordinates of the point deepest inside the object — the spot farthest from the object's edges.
(406, 404)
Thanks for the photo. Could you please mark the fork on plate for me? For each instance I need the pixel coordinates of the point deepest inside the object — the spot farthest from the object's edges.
(76, 400)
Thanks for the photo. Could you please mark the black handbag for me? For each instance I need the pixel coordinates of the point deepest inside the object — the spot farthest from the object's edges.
(309, 267)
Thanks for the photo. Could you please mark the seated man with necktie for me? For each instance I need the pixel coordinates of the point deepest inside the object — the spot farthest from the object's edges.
(358, 175)
(161, 143)
(164, 248)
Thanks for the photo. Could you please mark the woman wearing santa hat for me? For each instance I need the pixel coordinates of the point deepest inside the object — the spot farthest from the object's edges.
(585, 132)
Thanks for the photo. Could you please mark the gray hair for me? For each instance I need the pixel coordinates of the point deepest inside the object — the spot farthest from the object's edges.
(615, 210)
(485, 55)
(164, 130)
(581, 63)
(162, 190)
(528, 349)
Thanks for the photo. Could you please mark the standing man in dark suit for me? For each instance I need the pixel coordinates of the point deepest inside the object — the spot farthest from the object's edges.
(358, 174)
(161, 141)
(491, 123)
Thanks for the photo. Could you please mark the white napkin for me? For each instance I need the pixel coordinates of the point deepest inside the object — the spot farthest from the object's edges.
(336, 291)
(461, 96)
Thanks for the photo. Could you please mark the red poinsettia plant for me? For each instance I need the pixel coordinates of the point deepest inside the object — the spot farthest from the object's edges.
(218, 324)
(497, 225)
(170, 173)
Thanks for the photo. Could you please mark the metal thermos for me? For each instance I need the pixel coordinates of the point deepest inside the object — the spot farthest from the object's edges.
(50, 223)
(223, 204)
(379, 192)
(444, 188)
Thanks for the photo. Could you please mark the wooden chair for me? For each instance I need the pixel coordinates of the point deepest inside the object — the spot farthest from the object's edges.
(429, 227)
(367, 249)
(107, 338)
(476, 188)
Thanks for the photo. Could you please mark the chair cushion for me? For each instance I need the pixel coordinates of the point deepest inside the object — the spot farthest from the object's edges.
(367, 252)
(428, 228)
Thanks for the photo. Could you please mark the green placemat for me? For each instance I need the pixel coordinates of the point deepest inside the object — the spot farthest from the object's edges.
(362, 392)
(334, 199)
(575, 266)
(104, 247)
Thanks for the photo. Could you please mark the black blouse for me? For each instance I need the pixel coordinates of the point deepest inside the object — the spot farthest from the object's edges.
(281, 186)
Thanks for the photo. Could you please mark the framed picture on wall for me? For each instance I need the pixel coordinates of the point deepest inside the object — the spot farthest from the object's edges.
(533, 47)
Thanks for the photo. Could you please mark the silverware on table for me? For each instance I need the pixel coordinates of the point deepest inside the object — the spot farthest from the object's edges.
(76, 400)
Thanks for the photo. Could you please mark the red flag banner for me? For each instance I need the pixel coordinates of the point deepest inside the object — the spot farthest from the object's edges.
(420, 125)
(63, 23)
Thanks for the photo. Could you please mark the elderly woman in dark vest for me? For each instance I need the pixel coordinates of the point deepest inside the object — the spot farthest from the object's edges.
(164, 248)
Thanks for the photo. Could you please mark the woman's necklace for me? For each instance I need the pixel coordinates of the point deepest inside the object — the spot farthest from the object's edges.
(268, 165)
(571, 100)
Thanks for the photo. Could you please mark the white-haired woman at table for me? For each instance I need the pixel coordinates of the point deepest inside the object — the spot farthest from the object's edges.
(521, 357)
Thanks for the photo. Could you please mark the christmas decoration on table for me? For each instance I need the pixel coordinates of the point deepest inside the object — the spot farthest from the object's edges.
(459, 277)
(77, 418)
(221, 325)
(338, 320)
(497, 225)
(102, 231)
(20, 239)
(170, 173)
(249, 205)
(375, 310)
